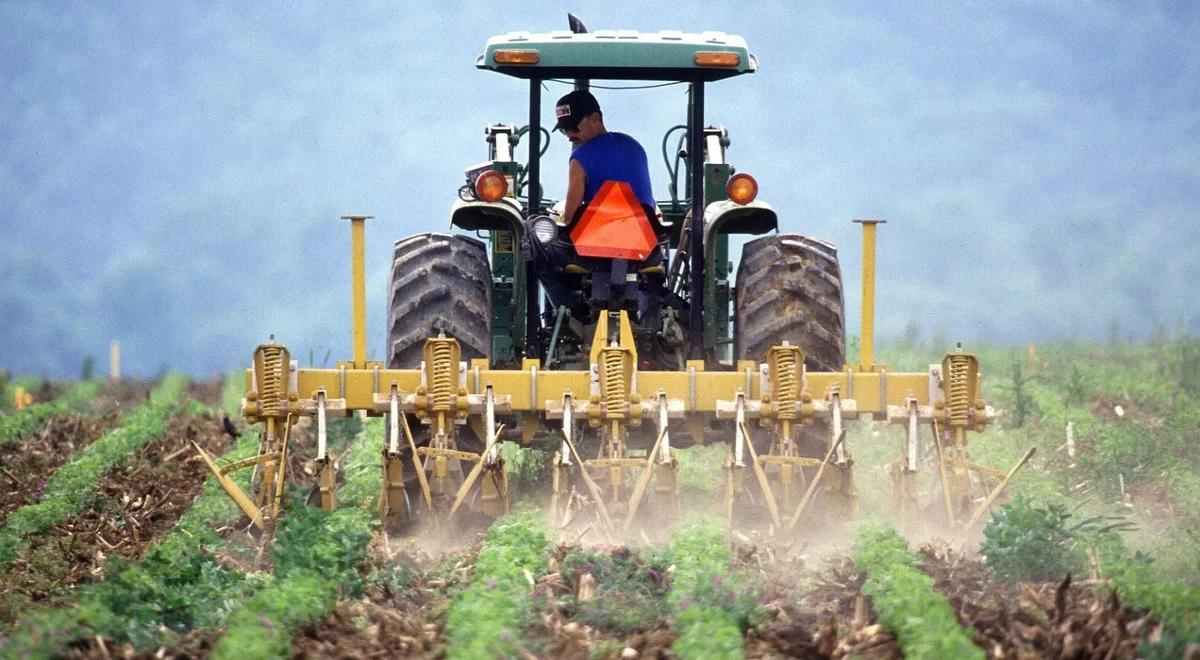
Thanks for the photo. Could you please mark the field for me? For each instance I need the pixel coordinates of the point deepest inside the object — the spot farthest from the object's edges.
(114, 541)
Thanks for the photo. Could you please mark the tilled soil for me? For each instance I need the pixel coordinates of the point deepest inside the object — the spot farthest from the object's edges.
(25, 465)
(135, 504)
(1064, 620)
(395, 618)
(829, 619)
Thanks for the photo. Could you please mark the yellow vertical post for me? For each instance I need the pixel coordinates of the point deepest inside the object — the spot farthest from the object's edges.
(114, 361)
(866, 353)
(358, 284)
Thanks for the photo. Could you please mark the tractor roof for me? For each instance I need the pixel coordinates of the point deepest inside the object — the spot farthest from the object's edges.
(619, 54)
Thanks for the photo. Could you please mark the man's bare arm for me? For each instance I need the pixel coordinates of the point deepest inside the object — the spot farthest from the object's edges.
(576, 184)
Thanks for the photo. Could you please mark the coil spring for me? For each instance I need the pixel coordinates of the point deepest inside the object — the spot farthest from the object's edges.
(958, 390)
(614, 382)
(270, 392)
(441, 385)
(786, 387)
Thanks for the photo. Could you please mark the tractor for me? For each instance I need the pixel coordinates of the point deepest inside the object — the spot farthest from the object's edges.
(753, 358)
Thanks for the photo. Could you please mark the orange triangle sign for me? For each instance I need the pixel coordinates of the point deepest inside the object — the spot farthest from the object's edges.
(614, 225)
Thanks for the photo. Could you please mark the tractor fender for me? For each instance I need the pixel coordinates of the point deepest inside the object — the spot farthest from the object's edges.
(727, 217)
(504, 215)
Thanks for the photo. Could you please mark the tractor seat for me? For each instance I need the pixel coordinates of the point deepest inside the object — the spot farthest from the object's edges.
(574, 269)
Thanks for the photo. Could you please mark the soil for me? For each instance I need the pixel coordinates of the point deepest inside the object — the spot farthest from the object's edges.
(135, 504)
(25, 465)
(1064, 620)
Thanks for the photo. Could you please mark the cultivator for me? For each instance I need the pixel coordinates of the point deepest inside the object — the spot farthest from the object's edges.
(769, 402)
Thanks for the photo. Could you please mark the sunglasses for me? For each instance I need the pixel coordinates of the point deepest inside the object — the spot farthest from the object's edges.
(572, 129)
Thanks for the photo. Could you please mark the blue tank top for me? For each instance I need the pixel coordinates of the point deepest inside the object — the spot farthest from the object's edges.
(615, 157)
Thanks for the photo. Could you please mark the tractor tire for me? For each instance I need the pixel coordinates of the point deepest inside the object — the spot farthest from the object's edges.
(789, 287)
(440, 284)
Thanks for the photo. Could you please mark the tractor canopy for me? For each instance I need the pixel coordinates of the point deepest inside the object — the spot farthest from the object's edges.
(619, 55)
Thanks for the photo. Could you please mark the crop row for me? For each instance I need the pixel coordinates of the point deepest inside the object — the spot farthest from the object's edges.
(905, 601)
(21, 423)
(711, 605)
(178, 586)
(487, 617)
(71, 486)
(316, 555)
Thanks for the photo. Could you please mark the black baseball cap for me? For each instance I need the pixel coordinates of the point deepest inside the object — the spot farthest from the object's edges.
(572, 108)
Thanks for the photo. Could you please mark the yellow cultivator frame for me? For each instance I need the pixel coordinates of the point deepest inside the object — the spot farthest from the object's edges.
(613, 397)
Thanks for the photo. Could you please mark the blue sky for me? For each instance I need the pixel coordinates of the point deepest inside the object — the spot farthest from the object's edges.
(171, 174)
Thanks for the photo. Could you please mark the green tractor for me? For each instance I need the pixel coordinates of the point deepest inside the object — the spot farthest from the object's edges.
(486, 295)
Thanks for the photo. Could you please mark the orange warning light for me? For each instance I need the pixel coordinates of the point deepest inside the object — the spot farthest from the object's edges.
(614, 226)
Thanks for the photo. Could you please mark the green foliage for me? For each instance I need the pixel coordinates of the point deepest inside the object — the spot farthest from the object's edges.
(904, 598)
(1022, 401)
(486, 617)
(700, 467)
(523, 465)
(711, 604)
(31, 419)
(629, 590)
(232, 391)
(74, 484)
(1025, 542)
(262, 628)
(1175, 603)
(316, 559)
(177, 587)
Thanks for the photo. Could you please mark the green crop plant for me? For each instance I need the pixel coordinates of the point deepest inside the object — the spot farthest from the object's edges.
(30, 419)
(487, 617)
(710, 603)
(74, 484)
(629, 589)
(1027, 542)
(905, 601)
(316, 558)
(1173, 602)
(178, 586)
(523, 466)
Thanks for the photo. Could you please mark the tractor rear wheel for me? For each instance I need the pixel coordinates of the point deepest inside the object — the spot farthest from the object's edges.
(789, 287)
(440, 284)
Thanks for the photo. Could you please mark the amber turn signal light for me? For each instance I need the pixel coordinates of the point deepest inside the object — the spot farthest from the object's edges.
(742, 188)
(717, 58)
(516, 57)
(491, 186)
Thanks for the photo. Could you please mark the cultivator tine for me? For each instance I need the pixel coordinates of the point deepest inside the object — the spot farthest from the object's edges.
(812, 485)
(941, 456)
(639, 488)
(987, 503)
(231, 488)
(593, 489)
(759, 473)
(418, 464)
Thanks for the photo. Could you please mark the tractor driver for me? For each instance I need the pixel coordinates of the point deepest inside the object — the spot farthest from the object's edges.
(597, 155)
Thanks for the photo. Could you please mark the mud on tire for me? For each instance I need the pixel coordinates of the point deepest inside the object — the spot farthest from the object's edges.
(789, 287)
(440, 283)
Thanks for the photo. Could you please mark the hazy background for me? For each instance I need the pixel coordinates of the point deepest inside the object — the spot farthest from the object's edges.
(171, 174)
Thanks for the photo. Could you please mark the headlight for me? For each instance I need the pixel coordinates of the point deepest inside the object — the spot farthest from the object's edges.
(544, 229)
